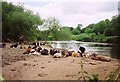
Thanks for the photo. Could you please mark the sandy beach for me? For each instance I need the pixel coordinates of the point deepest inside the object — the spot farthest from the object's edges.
(17, 66)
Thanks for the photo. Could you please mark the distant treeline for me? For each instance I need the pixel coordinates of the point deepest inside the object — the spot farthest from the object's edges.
(17, 22)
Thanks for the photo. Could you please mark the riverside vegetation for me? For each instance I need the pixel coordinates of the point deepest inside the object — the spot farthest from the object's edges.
(18, 21)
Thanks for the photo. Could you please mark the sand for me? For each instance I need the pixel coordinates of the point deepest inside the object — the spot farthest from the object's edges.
(17, 66)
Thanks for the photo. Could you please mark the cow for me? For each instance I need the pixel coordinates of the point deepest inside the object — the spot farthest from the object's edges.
(3, 45)
(53, 51)
(57, 55)
(31, 51)
(44, 52)
(14, 45)
(82, 50)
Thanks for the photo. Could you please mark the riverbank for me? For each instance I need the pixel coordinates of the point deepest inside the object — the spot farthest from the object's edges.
(16, 66)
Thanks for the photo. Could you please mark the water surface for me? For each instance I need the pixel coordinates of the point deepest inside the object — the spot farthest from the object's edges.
(100, 48)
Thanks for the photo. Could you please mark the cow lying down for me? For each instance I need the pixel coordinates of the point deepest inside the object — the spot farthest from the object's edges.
(57, 55)
(101, 58)
(31, 51)
(36, 51)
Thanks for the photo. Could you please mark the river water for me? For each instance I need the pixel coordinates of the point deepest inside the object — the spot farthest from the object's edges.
(100, 48)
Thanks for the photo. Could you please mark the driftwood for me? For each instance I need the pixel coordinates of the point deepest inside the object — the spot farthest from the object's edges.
(102, 58)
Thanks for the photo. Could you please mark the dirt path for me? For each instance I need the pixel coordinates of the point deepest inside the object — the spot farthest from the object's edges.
(17, 66)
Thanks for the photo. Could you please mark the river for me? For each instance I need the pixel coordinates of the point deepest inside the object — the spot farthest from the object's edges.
(100, 48)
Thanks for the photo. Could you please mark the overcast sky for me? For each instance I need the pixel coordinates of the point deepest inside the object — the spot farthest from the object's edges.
(72, 12)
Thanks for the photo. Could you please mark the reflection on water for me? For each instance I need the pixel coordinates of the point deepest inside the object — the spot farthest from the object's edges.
(100, 48)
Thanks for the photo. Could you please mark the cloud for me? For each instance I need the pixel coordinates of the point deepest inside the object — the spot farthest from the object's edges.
(73, 12)
(63, 0)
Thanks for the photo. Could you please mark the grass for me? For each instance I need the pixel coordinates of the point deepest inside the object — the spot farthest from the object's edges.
(115, 75)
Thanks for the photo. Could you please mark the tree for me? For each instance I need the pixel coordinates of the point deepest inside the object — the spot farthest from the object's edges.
(100, 27)
(108, 32)
(19, 22)
(75, 31)
(51, 24)
(71, 28)
(79, 27)
(88, 30)
(6, 9)
(65, 33)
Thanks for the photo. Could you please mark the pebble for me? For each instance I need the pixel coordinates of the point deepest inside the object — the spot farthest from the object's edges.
(13, 69)
(41, 75)
(42, 67)
(7, 63)
(48, 61)
(55, 59)
(25, 64)
(33, 65)
(35, 60)
(92, 63)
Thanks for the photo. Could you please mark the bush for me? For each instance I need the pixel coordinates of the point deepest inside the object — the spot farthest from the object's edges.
(100, 38)
(108, 32)
(83, 37)
(112, 39)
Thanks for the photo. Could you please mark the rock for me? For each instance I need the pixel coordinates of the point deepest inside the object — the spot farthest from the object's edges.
(7, 63)
(29, 64)
(92, 63)
(13, 69)
(48, 61)
(41, 75)
(100, 62)
(86, 60)
(24, 58)
(42, 67)
(104, 59)
(72, 61)
(70, 75)
(33, 65)
(25, 64)
(55, 59)
(105, 70)
(35, 60)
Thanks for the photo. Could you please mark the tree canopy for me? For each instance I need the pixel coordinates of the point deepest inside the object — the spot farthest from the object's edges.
(17, 21)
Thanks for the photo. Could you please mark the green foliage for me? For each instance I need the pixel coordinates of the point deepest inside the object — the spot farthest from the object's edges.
(52, 25)
(100, 38)
(89, 30)
(55, 31)
(16, 22)
(75, 31)
(103, 31)
(114, 75)
(19, 22)
(61, 34)
(100, 27)
(107, 32)
(85, 76)
(65, 34)
(83, 37)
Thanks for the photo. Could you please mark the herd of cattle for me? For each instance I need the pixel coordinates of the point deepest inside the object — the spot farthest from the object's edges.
(57, 52)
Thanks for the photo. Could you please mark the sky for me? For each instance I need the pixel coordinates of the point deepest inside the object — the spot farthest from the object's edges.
(72, 12)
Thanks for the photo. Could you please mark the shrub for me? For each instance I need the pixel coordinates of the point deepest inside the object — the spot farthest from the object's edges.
(83, 37)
